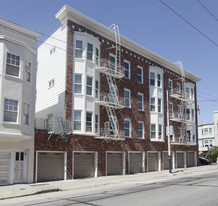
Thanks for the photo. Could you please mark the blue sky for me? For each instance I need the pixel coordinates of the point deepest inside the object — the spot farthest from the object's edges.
(150, 24)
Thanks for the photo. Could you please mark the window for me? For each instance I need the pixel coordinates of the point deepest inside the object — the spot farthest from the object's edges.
(96, 89)
(88, 121)
(210, 131)
(193, 114)
(206, 131)
(179, 115)
(152, 79)
(112, 94)
(188, 114)
(77, 120)
(152, 104)
(170, 109)
(127, 128)
(50, 122)
(10, 110)
(140, 102)
(126, 98)
(158, 80)
(13, 65)
(159, 105)
(153, 131)
(202, 132)
(192, 94)
(140, 75)
(178, 87)
(187, 93)
(52, 51)
(170, 86)
(96, 56)
(26, 113)
(127, 69)
(51, 83)
(189, 135)
(89, 86)
(27, 73)
(140, 130)
(179, 132)
(79, 49)
(89, 51)
(112, 65)
(160, 131)
(78, 84)
(96, 123)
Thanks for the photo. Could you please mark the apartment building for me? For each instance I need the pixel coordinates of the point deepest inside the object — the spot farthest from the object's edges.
(102, 103)
(18, 63)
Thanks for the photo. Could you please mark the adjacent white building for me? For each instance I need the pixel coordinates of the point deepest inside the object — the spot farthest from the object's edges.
(18, 63)
(215, 117)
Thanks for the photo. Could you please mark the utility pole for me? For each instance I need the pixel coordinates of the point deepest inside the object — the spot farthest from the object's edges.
(168, 129)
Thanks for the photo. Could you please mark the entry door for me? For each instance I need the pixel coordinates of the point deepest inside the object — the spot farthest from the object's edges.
(19, 167)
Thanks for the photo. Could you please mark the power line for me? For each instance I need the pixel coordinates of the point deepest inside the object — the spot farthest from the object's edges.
(190, 24)
(207, 10)
(207, 94)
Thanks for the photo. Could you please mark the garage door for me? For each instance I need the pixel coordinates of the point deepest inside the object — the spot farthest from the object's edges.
(84, 165)
(114, 164)
(135, 162)
(4, 167)
(50, 166)
(152, 162)
(166, 161)
(191, 159)
(180, 160)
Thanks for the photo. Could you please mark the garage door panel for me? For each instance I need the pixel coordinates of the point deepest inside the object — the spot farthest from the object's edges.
(50, 166)
(135, 163)
(114, 164)
(84, 165)
(152, 162)
(180, 160)
(191, 159)
(4, 167)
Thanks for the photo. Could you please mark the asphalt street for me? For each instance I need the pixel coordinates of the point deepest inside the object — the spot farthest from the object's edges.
(201, 189)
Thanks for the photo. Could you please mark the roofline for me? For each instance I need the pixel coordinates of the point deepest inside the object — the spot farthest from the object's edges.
(68, 13)
(20, 28)
(208, 123)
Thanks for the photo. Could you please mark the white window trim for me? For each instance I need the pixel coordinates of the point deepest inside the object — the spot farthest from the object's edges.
(143, 130)
(79, 49)
(170, 80)
(128, 62)
(89, 86)
(27, 60)
(29, 123)
(142, 102)
(130, 130)
(77, 120)
(20, 66)
(74, 82)
(52, 85)
(129, 97)
(18, 111)
(155, 108)
(139, 67)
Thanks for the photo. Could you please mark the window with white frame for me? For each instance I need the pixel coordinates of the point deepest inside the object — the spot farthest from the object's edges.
(96, 56)
(179, 112)
(77, 120)
(89, 51)
(170, 86)
(27, 73)
(178, 87)
(187, 93)
(10, 110)
(96, 124)
(126, 98)
(205, 131)
(88, 122)
(179, 133)
(112, 63)
(158, 80)
(113, 93)
(170, 109)
(159, 105)
(127, 69)
(89, 86)
(193, 114)
(13, 65)
(52, 51)
(188, 114)
(152, 104)
(192, 93)
(96, 89)
(78, 83)
(160, 131)
(140, 130)
(140, 102)
(26, 114)
(79, 49)
(153, 131)
(50, 123)
(51, 83)
(140, 74)
(127, 128)
(210, 131)
(152, 79)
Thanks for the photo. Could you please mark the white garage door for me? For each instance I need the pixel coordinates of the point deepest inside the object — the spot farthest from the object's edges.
(114, 163)
(191, 159)
(152, 162)
(50, 166)
(84, 165)
(4, 167)
(135, 162)
(180, 159)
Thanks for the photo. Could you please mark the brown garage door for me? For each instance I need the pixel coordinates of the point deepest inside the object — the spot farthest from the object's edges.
(50, 166)
(180, 159)
(84, 165)
(135, 162)
(114, 163)
(191, 159)
(4, 167)
(152, 162)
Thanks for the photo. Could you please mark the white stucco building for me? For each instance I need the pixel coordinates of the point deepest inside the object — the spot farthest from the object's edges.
(18, 63)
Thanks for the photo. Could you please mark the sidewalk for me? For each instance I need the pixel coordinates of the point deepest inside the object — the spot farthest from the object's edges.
(19, 190)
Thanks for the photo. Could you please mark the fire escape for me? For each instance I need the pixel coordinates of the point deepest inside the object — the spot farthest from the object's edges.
(113, 71)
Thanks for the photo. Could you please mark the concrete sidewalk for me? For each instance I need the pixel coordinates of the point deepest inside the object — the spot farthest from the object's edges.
(20, 190)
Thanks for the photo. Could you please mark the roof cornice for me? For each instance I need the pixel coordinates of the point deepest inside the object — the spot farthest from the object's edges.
(68, 13)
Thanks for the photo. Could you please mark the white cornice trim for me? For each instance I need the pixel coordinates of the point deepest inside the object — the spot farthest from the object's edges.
(67, 13)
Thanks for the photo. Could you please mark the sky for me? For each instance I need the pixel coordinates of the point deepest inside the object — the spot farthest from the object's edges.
(149, 23)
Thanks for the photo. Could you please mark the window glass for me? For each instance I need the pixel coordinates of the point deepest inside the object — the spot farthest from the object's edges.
(10, 110)
(160, 131)
(88, 122)
(79, 50)
(77, 120)
(152, 104)
(89, 51)
(127, 69)
(26, 113)
(159, 105)
(127, 128)
(96, 56)
(158, 80)
(89, 86)
(96, 123)
(153, 131)
(13, 65)
(126, 98)
(152, 79)
(140, 130)
(27, 73)
(140, 75)
(78, 84)
(140, 102)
